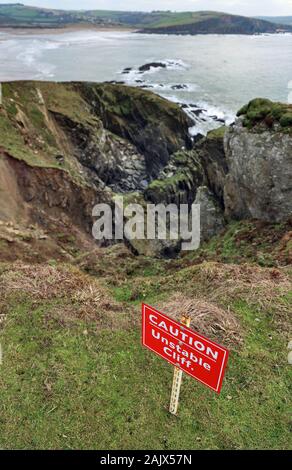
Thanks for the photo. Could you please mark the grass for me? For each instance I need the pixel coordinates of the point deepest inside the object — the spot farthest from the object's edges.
(264, 244)
(84, 384)
(63, 389)
(21, 15)
(16, 98)
(29, 130)
(184, 18)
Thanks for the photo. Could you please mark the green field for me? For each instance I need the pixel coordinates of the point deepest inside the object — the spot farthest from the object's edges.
(20, 14)
(17, 15)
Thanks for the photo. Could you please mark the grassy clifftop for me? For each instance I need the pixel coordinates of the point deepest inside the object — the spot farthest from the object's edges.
(34, 117)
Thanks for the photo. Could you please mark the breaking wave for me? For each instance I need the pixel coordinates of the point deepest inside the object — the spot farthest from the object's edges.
(204, 115)
(131, 74)
(31, 57)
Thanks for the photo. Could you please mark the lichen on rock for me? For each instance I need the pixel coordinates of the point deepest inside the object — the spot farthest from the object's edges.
(259, 180)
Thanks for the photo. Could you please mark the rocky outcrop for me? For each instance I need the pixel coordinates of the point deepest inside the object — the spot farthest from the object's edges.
(157, 127)
(67, 146)
(111, 160)
(211, 215)
(212, 157)
(177, 183)
(259, 180)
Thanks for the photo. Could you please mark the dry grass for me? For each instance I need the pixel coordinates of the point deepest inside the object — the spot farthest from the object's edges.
(264, 288)
(71, 293)
(252, 282)
(206, 318)
(245, 274)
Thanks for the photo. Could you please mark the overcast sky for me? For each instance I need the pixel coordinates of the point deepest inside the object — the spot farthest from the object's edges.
(242, 7)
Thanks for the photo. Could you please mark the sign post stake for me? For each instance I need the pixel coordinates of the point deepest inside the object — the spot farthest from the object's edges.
(177, 378)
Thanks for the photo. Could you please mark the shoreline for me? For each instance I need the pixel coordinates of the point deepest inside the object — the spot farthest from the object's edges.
(65, 29)
(71, 28)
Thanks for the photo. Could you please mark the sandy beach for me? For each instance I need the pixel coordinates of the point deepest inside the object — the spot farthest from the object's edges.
(66, 29)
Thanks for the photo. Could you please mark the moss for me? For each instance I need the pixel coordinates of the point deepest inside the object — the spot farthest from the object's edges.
(181, 186)
(286, 119)
(217, 133)
(261, 111)
(180, 179)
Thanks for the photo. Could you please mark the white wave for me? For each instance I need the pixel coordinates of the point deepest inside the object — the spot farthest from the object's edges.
(163, 87)
(132, 74)
(220, 113)
(207, 117)
(31, 57)
(176, 64)
(81, 39)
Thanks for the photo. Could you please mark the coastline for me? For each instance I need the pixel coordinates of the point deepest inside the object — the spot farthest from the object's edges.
(65, 29)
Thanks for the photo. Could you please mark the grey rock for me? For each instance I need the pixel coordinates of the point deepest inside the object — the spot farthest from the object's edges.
(155, 248)
(152, 65)
(259, 181)
(213, 159)
(211, 215)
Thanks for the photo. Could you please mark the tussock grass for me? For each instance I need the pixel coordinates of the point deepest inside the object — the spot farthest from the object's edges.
(206, 317)
(72, 294)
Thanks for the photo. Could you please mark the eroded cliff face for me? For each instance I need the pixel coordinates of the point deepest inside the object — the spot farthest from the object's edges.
(101, 137)
(65, 147)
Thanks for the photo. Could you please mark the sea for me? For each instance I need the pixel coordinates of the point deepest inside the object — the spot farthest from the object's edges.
(210, 76)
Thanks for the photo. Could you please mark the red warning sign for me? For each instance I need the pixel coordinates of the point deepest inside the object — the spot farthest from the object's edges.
(191, 352)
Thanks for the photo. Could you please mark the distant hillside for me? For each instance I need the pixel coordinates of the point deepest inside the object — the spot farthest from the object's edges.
(215, 23)
(286, 20)
(18, 15)
(206, 22)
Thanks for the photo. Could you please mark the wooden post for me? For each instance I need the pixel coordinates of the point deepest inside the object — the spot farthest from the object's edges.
(177, 378)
